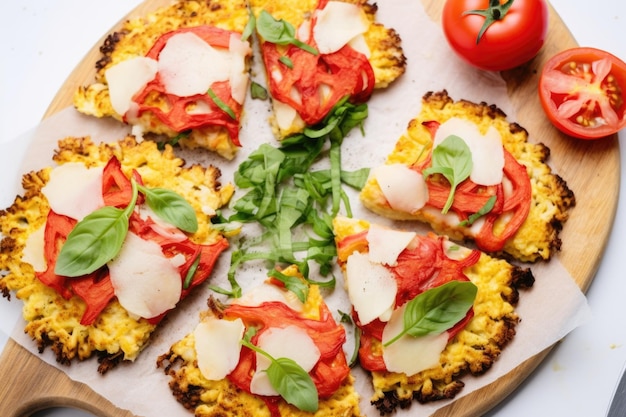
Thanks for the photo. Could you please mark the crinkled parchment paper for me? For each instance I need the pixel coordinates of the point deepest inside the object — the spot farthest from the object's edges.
(143, 389)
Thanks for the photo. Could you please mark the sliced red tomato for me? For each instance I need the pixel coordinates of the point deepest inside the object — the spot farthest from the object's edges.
(313, 84)
(470, 197)
(495, 35)
(582, 92)
(419, 268)
(117, 190)
(329, 337)
(174, 111)
(96, 288)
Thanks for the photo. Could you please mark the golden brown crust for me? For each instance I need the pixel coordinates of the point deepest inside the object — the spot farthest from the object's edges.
(538, 237)
(53, 321)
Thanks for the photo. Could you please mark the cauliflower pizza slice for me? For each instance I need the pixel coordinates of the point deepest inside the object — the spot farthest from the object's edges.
(222, 368)
(429, 311)
(179, 72)
(465, 170)
(102, 246)
(326, 51)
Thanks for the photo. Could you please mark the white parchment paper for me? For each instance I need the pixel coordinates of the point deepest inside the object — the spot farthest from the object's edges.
(143, 389)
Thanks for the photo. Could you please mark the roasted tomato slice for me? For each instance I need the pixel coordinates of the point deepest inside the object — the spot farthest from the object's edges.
(582, 92)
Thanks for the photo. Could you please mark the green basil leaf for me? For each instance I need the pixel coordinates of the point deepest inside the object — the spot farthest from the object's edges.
(279, 32)
(191, 272)
(257, 91)
(223, 106)
(294, 384)
(438, 309)
(293, 284)
(481, 212)
(93, 242)
(286, 61)
(452, 158)
(250, 26)
(172, 208)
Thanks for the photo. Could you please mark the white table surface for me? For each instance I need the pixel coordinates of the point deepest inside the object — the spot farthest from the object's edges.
(42, 41)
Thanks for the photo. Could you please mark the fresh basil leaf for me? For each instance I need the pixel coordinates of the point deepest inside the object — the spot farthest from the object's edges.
(286, 61)
(438, 309)
(294, 384)
(191, 272)
(279, 32)
(481, 212)
(93, 242)
(294, 284)
(223, 106)
(347, 319)
(250, 26)
(257, 91)
(171, 207)
(452, 158)
(288, 378)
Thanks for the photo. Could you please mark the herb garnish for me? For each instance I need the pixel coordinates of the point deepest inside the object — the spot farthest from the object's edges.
(481, 212)
(98, 237)
(437, 309)
(285, 197)
(279, 32)
(288, 378)
(219, 103)
(452, 158)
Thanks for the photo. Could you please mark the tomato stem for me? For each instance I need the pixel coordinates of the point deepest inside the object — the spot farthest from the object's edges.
(492, 14)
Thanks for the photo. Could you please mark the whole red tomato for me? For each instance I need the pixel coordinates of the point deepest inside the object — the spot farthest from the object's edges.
(583, 92)
(495, 35)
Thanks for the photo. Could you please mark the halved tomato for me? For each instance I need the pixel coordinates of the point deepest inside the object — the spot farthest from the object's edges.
(582, 91)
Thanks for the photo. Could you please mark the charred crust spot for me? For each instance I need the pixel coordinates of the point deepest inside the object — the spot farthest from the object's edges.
(107, 48)
(108, 362)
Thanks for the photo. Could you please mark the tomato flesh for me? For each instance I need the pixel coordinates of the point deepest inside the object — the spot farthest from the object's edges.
(582, 92)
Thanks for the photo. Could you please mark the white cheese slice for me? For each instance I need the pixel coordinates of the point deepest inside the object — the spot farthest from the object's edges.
(160, 226)
(144, 280)
(359, 44)
(188, 65)
(33, 252)
(239, 76)
(74, 190)
(337, 24)
(487, 151)
(386, 244)
(285, 114)
(372, 288)
(410, 355)
(404, 189)
(269, 293)
(290, 342)
(126, 78)
(217, 345)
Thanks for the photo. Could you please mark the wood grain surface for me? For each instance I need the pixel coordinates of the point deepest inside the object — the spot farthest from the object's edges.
(29, 384)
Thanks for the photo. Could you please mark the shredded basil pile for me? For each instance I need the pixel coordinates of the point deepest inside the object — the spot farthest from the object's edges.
(285, 196)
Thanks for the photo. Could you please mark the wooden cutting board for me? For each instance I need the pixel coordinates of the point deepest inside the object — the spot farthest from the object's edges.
(28, 384)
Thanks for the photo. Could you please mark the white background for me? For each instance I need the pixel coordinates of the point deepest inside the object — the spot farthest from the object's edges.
(42, 41)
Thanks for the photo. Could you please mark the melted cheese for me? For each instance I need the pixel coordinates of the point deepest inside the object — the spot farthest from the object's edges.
(372, 288)
(337, 24)
(217, 345)
(146, 282)
(487, 150)
(404, 189)
(290, 342)
(385, 244)
(410, 355)
(126, 79)
(74, 190)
